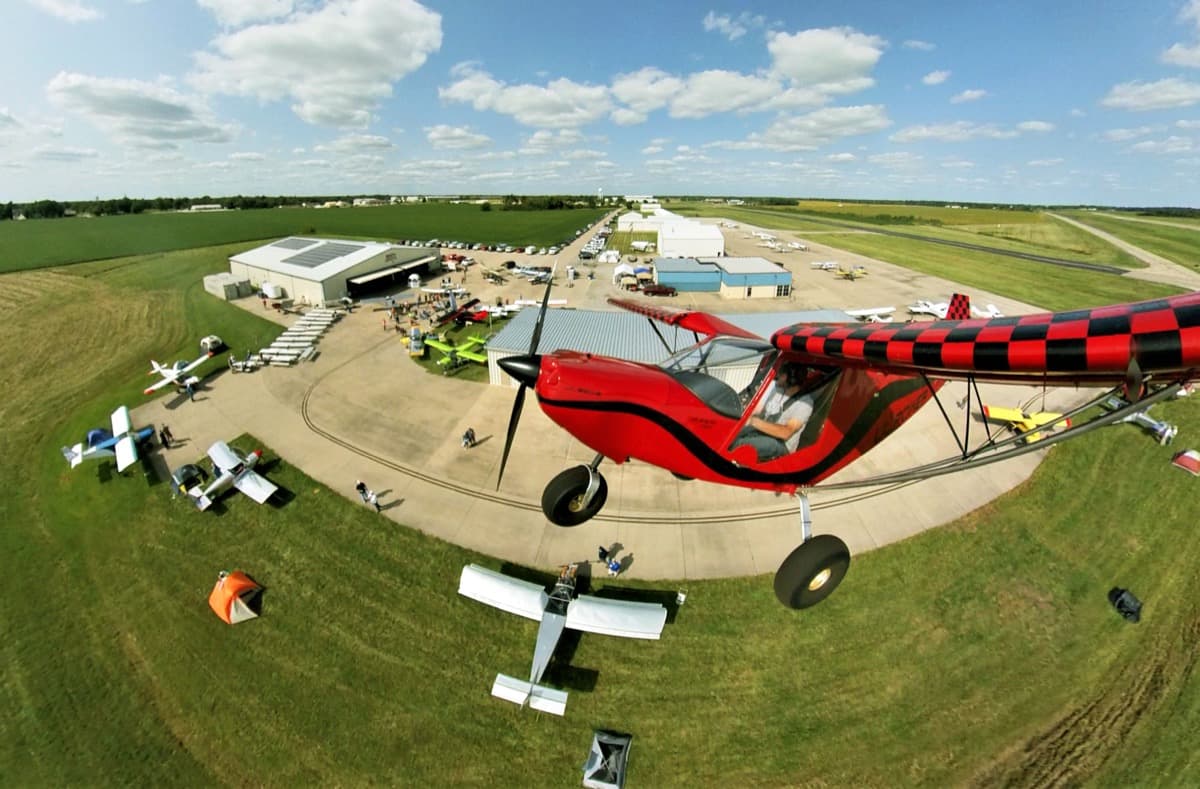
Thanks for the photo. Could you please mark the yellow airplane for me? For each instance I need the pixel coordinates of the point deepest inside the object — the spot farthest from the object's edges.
(851, 273)
(1027, 424)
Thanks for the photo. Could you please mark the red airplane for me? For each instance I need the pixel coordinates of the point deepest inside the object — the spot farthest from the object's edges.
(685, 413)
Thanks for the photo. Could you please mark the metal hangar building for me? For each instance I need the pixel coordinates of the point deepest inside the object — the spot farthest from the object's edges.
(320, 270)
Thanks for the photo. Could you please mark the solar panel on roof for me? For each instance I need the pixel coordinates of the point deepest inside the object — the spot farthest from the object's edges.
(324, 253)
(294, 243)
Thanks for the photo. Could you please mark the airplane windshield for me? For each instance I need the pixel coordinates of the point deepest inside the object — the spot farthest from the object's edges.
(741, 364)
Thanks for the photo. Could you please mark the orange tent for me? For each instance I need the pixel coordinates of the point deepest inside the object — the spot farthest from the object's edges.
(236, 597)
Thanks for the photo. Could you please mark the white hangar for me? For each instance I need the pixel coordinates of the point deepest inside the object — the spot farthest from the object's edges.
(320, 270)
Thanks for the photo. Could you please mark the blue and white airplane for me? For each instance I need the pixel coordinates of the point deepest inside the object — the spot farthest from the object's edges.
(122, 443)
(176, 373)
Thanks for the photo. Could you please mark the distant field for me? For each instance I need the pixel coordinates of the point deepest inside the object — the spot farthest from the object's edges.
(1051, 287)
(1176, 244)
(865, 212)
(982, 653)
(51, 242)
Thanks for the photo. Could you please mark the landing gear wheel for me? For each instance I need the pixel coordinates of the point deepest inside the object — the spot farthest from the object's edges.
(562, 500)
(811, 572)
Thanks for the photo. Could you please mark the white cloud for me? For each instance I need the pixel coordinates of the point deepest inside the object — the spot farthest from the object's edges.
(140, 113)
(1045, 162)
(562, 103)
(957, 164)
(731, 27)
(623, 116)
(67, 10)
(1035, 126)
(841, 157)
(8, 120)
(235, 13)
(810, 131)
(897, 160)
(1170, 145)
(1187, 124)
(543, 141)
(708, 92)
(650, 150)
(968, 95)
(455, 137)
(1121, 135)
(56, 153)
(959, 131)
(935, 77)
(923, 46)
(247, 156)
(644, 91)
(1140, 96)
(583, 153)
(1187, 55)
(337, 63)
(824, 55)
(352, 143)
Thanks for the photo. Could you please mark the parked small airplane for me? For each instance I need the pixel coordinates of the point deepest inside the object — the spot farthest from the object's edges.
(873, 314)
(176, 374)
(231, 469)
(121, 443)
(825, 265)
(851, 273)
(464, 350)
(1028, 425)
(991, 311)
(798, 246)
(248, 364)
(556, 611)
(937, 309)
(1163, 432)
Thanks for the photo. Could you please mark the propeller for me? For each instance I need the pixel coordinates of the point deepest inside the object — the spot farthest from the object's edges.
(525, 370)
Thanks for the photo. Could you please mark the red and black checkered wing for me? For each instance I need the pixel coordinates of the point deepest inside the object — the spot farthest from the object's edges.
(1082, 346)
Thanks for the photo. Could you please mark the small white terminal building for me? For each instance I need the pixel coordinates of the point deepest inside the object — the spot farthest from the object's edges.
(319, 270)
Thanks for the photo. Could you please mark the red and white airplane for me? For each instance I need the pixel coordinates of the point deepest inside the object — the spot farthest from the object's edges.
(231, 469)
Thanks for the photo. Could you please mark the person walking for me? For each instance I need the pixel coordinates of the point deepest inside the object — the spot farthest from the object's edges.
(614, 567)
(361, 487)
(468, 438)
(373, 500)
(603, 554)
(162, 438)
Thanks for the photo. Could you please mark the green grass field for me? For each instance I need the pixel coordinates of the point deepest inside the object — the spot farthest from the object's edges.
(52, 242)
(981, 653)
(1176, 244)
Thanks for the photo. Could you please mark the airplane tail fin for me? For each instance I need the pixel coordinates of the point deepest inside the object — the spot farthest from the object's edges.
(539, 697)
(74, 455)
(960, 307)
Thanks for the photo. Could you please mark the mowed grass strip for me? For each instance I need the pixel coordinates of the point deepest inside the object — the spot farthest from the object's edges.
(981, 652)
(1177, 244)
(51, 242)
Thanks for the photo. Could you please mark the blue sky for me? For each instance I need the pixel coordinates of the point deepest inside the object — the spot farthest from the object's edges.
(1014, 101)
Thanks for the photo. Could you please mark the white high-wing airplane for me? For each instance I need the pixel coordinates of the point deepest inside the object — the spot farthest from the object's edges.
(121, 443)
(825, 265)
(176, 374)
(229, 468)
(937, 309)
(991, 311)
(555, 611)
(873, 314)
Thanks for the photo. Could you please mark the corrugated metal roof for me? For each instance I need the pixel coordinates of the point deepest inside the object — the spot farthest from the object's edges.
(626, 335)
(683, 265)
(278, 256)
(691, 231)
(750, 265)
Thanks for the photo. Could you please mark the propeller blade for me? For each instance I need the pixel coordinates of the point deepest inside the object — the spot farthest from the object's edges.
(513, 420)
(537, 328)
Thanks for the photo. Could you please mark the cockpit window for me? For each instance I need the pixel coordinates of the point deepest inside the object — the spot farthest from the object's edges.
(724, 372)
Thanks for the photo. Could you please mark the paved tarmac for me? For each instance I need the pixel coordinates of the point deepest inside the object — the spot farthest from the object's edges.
(363, 410)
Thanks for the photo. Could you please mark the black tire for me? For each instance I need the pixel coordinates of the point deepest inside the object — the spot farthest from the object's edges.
(561, 498)
(811, 572)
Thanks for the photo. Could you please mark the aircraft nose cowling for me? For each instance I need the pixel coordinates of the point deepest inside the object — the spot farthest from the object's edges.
(524, 368)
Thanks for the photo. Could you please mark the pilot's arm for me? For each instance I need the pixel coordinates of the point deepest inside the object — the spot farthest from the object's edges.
(781, 430)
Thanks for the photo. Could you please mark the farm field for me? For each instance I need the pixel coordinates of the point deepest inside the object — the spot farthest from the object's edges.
(53, 242)
(1176, 244)
(984, 652)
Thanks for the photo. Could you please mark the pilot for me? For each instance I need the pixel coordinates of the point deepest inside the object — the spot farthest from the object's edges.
(774, 429)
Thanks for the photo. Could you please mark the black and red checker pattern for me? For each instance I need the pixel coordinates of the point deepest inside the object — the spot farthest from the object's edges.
(1085, 346)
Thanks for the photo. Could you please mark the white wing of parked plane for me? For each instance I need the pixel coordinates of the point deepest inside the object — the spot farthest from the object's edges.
(623, 618)
(254, 485)
(224, 458)
(126, 448)
(504, 592)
